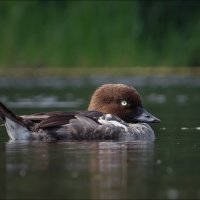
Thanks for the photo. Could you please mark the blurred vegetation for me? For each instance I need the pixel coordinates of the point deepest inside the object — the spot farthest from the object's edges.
(99, 33)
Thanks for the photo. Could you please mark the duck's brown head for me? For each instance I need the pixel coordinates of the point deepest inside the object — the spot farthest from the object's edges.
(122, 101)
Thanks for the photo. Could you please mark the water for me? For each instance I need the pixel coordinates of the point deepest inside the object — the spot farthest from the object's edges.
(165, 169)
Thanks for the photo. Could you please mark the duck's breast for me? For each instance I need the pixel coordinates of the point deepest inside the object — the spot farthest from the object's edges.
(139, 131)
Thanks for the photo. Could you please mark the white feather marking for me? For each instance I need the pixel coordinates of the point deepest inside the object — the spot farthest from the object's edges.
(113, 122)
(35, 116)
(119, 125)
(16, 131)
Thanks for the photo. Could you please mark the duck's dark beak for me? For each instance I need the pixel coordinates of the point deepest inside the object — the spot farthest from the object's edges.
(143, 116)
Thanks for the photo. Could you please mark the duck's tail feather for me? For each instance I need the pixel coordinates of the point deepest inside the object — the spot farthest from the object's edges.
(6, 113)
(17, 127)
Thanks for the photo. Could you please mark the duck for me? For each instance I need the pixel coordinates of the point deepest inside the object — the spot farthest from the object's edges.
(115, 112)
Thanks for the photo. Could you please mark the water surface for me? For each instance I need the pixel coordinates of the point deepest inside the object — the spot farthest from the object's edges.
(165, 169)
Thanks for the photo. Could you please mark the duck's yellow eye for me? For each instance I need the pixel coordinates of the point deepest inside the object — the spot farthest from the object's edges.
(124, 103)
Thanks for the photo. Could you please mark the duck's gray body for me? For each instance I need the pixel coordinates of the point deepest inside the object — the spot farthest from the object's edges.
(87, 125)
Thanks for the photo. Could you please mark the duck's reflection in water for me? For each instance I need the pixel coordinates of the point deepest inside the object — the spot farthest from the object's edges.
(113, 165)
(97, 170)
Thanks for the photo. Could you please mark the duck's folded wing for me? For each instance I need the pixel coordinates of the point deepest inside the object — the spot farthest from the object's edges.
(54, 121)
(39, 117)
(78, 126)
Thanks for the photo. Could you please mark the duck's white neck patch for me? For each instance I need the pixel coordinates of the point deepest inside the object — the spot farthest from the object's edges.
(109, 119)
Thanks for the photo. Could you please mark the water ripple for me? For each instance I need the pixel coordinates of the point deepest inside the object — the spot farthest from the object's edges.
(42, 102)
(61, 82)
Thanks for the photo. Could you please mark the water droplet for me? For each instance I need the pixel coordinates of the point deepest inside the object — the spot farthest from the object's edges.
(158, 162)
(184, 128)
(172, 193)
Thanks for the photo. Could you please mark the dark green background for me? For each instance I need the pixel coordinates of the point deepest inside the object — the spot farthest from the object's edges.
(99, 33)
